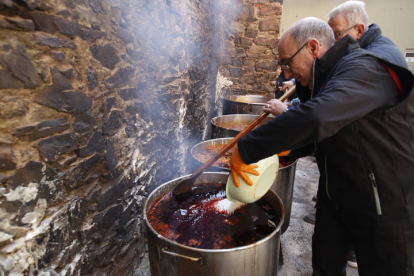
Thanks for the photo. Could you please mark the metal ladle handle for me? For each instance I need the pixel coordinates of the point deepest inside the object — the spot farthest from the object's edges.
(199, 259)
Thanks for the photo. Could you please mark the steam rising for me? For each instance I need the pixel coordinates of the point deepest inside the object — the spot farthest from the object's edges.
(178, 49)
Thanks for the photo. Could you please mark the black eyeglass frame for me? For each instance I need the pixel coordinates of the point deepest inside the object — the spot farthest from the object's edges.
(286, 66)
(345, 31)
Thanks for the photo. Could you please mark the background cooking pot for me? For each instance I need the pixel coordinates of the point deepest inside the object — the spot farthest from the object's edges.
(246, 104)
(219, 129)
(171, 258)
(200, 147)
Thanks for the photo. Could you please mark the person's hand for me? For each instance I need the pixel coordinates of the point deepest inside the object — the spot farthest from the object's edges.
(287, 85)
(275, 107)
(238, 167)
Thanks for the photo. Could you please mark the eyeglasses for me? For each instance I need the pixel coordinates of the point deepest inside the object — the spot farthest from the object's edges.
(286, 66)
(338, 35)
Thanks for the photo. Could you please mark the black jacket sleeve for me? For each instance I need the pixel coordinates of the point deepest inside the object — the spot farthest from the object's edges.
(356, 88)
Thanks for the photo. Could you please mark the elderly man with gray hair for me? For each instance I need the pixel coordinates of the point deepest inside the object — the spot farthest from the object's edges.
(359, 114)
(352, 18)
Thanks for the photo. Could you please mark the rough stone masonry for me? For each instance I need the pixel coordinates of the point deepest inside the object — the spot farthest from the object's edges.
(100, 101)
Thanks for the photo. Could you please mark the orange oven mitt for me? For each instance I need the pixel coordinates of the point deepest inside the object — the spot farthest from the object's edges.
(238, 167)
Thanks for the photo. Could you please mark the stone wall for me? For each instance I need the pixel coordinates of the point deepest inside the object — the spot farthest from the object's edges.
(99, 103)
(250, 47)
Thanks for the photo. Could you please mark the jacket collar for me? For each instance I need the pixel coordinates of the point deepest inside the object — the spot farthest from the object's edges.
(324, 65)
(372, 34)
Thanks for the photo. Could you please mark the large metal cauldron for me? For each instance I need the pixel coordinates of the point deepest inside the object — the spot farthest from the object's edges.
(283, 185)
(171, 258)
(218, 131)
(247, 104)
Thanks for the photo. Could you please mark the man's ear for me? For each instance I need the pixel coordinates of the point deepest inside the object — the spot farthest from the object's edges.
(314, 47)
(360, 29)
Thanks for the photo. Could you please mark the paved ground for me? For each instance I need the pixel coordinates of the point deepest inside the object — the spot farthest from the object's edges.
(296, 241)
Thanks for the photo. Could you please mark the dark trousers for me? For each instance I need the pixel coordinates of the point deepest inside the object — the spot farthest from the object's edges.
(380, 250)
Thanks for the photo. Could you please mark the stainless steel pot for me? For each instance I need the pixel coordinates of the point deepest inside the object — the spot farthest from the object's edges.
(247, 104)
(218, 131)
(171, 258)
(283, 187)
(202, 145)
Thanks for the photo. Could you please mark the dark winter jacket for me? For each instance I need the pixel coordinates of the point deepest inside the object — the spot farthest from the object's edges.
(375, 42)
(364, 132)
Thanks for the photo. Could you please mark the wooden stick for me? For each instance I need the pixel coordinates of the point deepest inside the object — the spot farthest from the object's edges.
(183, 188)
(240, 134)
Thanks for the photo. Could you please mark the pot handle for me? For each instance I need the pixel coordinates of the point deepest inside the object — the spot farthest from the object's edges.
(199, 259)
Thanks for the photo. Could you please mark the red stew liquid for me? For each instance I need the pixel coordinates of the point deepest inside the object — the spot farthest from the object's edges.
(197, 223)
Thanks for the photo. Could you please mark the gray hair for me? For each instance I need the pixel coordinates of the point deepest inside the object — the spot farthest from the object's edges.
(354, 12)
(312, 27)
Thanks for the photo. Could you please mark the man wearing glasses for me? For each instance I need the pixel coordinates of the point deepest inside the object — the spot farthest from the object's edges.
(351, 18)
(361, 121)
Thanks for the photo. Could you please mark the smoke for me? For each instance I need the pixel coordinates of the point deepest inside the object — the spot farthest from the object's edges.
(177, 49)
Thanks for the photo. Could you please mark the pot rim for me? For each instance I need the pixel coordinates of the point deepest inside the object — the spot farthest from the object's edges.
(251, 116)
(201, 250)
(229, 98)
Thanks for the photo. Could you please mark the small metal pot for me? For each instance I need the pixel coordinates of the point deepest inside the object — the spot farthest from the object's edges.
(218, 131)
(202, 145)
(170, 258)
(247, 104)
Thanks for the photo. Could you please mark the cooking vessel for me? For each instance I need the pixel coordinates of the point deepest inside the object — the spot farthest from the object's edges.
(202, 145)
(244, 104)
(218, 131)
(170, 258)
(283, 187)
